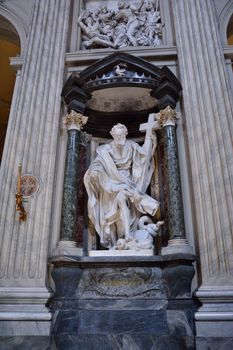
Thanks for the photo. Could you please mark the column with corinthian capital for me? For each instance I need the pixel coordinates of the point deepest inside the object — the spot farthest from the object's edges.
(67, 245)
(208, 115)
(177, 243)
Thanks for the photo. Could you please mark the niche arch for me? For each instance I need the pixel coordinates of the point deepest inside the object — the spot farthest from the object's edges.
(10, 46)
(223, 21)
(230, 31)
(18, 25)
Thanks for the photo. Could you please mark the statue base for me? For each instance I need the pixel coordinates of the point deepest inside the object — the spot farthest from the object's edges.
(113, 252)
(123, 302)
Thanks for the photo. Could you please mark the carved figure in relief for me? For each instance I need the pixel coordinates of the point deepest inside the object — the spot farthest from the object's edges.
(116, 183)
(153, 26)
(132, 18)
(106, 21)
(92, 31)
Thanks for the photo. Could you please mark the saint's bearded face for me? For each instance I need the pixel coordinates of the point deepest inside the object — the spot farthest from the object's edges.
(119, 138)
(119, 133)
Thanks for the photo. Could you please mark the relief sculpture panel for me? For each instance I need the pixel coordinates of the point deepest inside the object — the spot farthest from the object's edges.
(124, 24)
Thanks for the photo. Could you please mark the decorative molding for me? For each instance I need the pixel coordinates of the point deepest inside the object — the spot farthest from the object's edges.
(122, 283)
(29, 185)
(74, 121)
(83, 58)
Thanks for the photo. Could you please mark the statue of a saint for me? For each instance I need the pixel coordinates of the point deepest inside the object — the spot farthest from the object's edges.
(116, 184)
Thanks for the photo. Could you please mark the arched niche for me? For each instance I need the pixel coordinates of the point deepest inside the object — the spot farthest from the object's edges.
(9, 47)
(120, 88)
(15, 29)
(225, 18)
(230, 31)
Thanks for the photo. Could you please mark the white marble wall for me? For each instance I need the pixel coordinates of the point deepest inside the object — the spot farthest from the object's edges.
(208, 116)
(32, 138)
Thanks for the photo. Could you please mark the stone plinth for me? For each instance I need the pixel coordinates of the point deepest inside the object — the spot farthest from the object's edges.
(123, 302)
(119, 253)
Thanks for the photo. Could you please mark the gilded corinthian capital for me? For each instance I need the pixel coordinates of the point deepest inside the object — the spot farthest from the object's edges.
(74, 121)
(167, 116)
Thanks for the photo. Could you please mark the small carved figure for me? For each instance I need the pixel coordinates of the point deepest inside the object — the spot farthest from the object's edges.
(153, 26)
(143, 237)
(106, 22)
(120, 69)
(131, 16)
(116, 183)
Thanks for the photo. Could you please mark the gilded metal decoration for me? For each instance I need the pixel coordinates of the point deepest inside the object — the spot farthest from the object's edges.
(29, 185)
(19, 197)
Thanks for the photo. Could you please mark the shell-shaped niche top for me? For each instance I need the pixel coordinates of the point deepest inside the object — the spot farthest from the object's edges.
(125, 23)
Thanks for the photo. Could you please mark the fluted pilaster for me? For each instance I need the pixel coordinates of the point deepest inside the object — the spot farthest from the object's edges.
(208, 115)
(32, 140)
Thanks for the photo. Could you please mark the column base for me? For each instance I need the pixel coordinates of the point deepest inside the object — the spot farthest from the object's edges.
(23, 311)
(214, 319)
(67, 248)
(176, 246)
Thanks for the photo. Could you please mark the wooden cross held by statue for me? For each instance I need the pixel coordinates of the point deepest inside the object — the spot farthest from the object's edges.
(148, 127)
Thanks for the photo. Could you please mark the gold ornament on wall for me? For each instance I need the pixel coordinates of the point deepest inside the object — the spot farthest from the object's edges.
(19, 197)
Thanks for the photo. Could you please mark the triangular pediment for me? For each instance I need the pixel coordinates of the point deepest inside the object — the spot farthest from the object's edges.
(129, 67)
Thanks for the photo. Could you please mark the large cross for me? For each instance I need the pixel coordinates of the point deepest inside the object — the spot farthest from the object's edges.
(151, 124)
(148, 127)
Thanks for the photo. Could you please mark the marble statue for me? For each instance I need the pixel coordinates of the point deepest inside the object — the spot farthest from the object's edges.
(136, 24)
(143, 237)
(116, 184)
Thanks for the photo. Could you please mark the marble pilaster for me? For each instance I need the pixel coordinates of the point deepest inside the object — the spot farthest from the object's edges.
(208, 113)
(32, 140)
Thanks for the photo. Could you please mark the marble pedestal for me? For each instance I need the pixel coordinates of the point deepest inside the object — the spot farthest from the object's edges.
(123, 303)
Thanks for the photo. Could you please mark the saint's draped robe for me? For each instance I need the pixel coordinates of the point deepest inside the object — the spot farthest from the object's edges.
(134, 172)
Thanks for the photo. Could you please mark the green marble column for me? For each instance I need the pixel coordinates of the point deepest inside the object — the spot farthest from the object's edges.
(74, 121)
(175, 205)
(177, 242)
